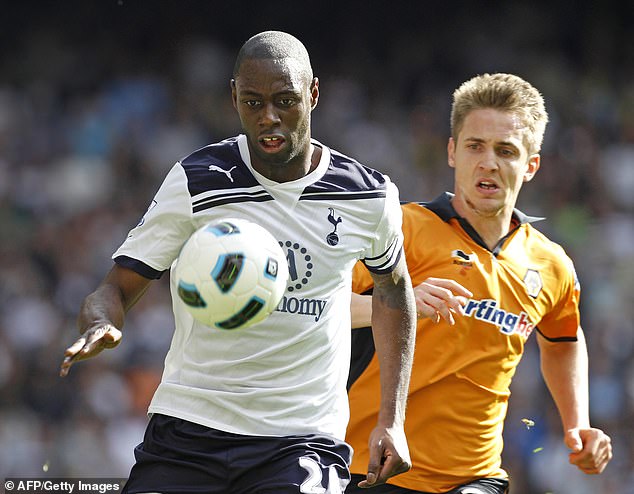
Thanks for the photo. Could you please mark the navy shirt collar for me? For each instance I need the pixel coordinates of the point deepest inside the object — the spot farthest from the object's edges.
(442, 206)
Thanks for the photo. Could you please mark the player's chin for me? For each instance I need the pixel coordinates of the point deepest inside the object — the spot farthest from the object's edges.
(272, 147)
(278, 157)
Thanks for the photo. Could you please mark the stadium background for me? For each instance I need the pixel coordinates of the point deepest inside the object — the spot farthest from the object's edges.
(99, 98)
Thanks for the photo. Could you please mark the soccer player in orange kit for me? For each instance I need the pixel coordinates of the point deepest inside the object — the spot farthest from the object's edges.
(484, 279)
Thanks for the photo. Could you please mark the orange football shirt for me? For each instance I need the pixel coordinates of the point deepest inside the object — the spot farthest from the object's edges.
(459, 388)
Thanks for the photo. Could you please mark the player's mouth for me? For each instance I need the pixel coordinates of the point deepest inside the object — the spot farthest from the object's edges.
(272, 143)
(487, 186)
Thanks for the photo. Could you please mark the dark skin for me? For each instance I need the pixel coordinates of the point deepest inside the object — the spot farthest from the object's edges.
(102, 313)
(393, 328)
(274, 100)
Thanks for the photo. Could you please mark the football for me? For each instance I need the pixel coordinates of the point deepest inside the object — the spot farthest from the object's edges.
(230, 274)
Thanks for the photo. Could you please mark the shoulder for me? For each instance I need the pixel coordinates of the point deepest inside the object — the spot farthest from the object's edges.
(417, 210)
(347, 174)
(547, 252)
(541, 245)
(217, 153)
(417, 216)
(217, 166)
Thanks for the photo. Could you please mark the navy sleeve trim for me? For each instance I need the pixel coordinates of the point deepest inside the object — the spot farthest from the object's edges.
(380, 269)
(556, 340)
(138, 267)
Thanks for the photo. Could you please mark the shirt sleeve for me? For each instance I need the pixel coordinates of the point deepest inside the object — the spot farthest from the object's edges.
(387, 245)
(561, 323)
(155, 242)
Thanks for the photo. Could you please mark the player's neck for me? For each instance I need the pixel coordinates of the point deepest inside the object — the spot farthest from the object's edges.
(491, 232)
(491, 226)
(298, 167)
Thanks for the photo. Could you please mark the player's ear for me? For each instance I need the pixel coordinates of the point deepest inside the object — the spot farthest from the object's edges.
(534, 161)
(234, 96)
(314, 93)
(451, 152)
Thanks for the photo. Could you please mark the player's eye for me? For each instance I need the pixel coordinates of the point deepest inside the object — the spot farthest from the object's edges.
(506, 152)
(287, 101)
(251, 102)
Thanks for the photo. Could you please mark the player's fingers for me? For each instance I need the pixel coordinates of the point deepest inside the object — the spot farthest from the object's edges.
(593, 458)
(595, 468)
(65, 367)
(374, 469)
(73, 354)
(445, 313)
(429, 292)
(379, 444)
(603, 457)
(89, 345)
(70, 355)
(102, 337)
(75, 347)
(112, 337)
(435, 309)
(432, 299)
(452, 285)
(425, 311)
(393, 465)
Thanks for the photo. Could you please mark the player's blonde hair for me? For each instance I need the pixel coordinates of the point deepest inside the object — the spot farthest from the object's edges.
(505, 92)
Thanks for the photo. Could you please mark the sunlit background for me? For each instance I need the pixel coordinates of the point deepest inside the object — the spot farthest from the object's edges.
(99, 98)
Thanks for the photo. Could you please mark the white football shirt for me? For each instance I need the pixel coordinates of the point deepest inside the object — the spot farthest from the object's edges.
(287, 374)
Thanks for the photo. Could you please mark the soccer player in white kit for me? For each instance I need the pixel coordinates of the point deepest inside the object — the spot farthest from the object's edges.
(264, 409)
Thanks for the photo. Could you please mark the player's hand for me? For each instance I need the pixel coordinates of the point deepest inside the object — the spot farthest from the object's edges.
(389, 456)
(438, 298)
(591, 449)
(91, 343)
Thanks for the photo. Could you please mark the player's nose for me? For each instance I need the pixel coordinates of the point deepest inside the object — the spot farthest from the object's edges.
(488, 160)
(268, 115)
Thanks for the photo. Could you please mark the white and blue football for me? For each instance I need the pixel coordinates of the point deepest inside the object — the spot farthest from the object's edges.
(230, 274)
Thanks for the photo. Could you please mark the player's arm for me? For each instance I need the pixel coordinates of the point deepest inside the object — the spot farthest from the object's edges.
(440, 298)
(393, 325)
(435, 298)
(102, 314)
(564, 366)
(361, 310)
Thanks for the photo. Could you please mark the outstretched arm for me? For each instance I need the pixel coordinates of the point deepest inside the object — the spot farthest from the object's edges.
(565, 369)
(435, 298)
(393, 326)
(102, 314)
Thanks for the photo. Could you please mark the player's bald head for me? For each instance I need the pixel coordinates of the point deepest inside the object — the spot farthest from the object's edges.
(274, 45)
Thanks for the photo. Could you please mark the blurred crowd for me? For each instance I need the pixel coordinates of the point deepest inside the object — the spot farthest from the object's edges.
(88, 130)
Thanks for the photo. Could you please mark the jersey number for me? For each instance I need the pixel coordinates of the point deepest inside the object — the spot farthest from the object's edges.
(312, 484)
